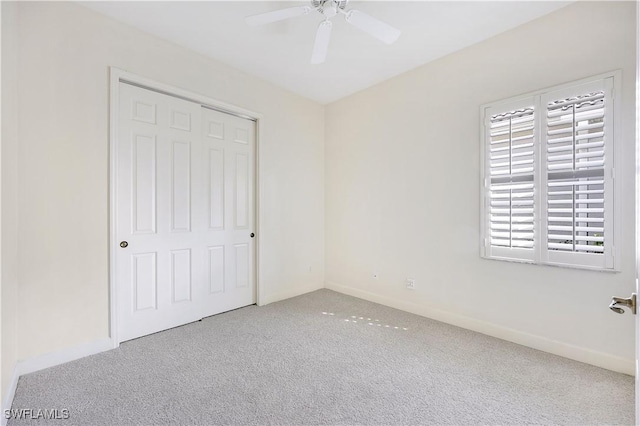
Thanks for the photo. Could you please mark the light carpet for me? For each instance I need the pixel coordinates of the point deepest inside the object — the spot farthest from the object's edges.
(325, 358)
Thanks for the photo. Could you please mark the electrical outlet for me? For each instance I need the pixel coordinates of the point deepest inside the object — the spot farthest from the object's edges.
(411, 284)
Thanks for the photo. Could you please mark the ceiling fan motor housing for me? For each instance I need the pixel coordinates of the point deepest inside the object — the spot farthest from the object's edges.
(329, 8)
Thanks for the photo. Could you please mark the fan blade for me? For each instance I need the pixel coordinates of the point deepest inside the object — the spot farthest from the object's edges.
(321, 45)
(276, 15)
(370, 25)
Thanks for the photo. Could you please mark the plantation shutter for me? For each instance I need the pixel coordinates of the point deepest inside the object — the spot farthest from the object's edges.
(548, 177)
(510, 211)
(578, 201)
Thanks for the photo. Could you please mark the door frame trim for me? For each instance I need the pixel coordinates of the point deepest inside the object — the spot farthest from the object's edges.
(116, 76)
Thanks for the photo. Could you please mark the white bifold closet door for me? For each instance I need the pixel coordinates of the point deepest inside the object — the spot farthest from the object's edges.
(185, 212)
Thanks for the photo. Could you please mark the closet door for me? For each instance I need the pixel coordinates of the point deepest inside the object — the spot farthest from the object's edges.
(185, 212)
(229, 144)
(158, 266)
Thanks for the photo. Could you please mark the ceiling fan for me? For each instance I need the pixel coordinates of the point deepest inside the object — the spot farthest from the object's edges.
(329, 8)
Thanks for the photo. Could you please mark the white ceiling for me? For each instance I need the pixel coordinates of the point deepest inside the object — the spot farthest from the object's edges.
(280, 52)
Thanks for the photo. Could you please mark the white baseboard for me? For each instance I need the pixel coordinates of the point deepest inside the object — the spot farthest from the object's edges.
(298, 291)
(577, 353)
(51, 359)
(64, 355)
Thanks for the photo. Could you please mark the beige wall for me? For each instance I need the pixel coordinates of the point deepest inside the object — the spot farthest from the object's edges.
(8, 189)
(65, 52)
(402, 189)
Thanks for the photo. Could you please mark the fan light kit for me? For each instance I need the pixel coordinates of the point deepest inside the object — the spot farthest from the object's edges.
(329, 8)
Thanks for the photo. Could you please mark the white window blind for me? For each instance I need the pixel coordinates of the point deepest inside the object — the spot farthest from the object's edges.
(548, 177)
(579, 180)
(511, 187)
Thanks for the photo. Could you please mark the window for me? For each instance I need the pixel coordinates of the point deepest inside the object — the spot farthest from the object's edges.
(548, 187)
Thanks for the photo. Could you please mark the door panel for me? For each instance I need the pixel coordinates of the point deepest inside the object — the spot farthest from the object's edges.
(181, 275)
(144, 281)
(181, 187)
(230, 143)
(185, 208)
(158, 141)
(216, 189)
(216, 269)
(144, 184)
(241, 190)
(242, 265)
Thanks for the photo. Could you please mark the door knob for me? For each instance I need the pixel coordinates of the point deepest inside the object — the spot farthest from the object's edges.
(617, 302)
(124, 244)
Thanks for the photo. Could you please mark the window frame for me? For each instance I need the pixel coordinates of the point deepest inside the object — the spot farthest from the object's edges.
(540, 254)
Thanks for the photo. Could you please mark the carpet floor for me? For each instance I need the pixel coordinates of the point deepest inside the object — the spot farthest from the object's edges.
(325, 358)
